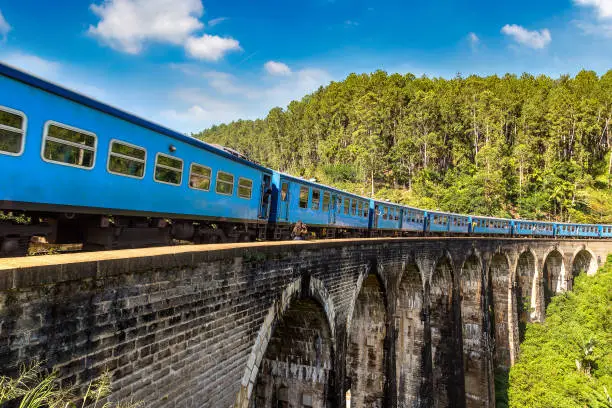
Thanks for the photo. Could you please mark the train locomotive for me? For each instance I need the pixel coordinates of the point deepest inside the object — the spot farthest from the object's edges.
(82, 171)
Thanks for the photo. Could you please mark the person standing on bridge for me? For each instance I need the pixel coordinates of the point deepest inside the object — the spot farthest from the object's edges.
(300, 231)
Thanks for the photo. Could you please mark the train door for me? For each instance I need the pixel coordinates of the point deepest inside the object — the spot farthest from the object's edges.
(376, 215)
(283, 206)
(333, 209)
(266, 196)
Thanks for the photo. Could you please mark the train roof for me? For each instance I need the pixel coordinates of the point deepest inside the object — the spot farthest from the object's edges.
(32, 80)
(314, 183)
(446, 213)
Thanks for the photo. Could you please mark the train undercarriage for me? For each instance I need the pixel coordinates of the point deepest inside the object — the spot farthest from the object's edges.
(97, 232)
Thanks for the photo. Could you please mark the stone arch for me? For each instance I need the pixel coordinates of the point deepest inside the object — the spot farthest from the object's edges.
(411, 368)
(583, 260)
(500, 301)
(314, 293)
(525, 291)
(475, 355)
(365, 358)
(446, 353)
(372, 268)
(553, 276)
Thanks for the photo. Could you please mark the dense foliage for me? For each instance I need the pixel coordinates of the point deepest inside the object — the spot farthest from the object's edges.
(526, 146)
(566, 362)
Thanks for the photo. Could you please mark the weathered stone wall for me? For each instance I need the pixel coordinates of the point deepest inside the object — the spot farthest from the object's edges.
(401, 322)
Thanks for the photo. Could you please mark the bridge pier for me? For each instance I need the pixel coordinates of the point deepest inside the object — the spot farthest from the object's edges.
(401, 322)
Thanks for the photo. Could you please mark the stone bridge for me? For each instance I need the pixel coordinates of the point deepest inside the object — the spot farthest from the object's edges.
(404, 322)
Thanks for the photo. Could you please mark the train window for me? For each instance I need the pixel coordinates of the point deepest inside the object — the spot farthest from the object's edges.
(168, 169)
(284, 191)
(325, 201)
(125, 159)
(225, 183)
(359, 209)
(385, 213)
(245, 188)
(365, 209)
(347, 205)
(304, 197)
(69, 146)
(396, 214)
(12, 131)
(316, 197)
(353, 207)
(199, 177)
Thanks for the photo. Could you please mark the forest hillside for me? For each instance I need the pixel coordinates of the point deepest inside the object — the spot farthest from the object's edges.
(530, 147)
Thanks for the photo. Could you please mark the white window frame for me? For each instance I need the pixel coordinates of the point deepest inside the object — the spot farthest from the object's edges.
(110, 153)
(209, 179)
(168, 168)
(238, 191)
(79, 146)
(328, 200)
(11, 129)
(233, 183)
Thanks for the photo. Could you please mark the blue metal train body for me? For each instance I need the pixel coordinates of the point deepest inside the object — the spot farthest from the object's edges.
(65, 156)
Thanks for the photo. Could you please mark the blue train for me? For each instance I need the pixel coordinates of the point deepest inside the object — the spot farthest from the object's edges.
(86, 172)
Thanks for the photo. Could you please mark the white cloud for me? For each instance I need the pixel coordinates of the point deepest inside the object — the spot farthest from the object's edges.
(533, 39)
(54, 71)
(35, 65)
(603, 7)
(351, 23)
(225, 98)
(127, 25)
(277, 68)
(601, 25)
(4, 27)
(216, 21)
(599, 29)
(474, 40)
(210, 47)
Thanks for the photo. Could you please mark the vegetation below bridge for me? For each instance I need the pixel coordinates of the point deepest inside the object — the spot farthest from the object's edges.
(566, 362)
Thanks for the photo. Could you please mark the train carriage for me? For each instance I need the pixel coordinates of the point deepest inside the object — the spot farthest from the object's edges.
(69, 157)
(442, 222)
(328, 212)
(90, 173)
(578, 230)
(413, 219)
(490, 225)
(606, 231)
(386, 217)
(533, 228)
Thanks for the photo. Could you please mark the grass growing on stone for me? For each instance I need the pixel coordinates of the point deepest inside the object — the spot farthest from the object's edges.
(34, 388)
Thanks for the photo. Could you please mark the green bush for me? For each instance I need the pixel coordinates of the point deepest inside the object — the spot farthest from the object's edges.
(566, 362)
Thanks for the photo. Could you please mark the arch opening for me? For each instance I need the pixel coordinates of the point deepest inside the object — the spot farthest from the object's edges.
(446, 353)
(524, 293)
(499, 286)
(475, 356)
(365, 359)
(297, 367)
(411, 370)
(583, 262)
(553, 275)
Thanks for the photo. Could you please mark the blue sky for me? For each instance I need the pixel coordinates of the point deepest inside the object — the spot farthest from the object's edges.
(189, 64)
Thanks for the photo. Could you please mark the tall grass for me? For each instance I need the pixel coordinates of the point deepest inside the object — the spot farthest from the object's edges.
(35, 388)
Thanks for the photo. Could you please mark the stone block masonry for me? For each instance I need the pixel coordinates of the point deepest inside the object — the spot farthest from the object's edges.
(397, 322)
